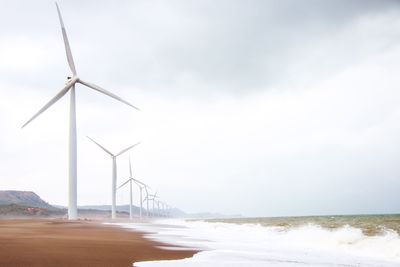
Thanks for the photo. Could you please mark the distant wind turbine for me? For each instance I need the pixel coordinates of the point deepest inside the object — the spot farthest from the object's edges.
(158, 208)
(163, 211)
(140, 184)
(146, 199)
(152, 198)
(114, 174)
(70, 86)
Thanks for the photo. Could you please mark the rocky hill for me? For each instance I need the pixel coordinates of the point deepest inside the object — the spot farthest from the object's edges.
(26, 204)
(23, 198)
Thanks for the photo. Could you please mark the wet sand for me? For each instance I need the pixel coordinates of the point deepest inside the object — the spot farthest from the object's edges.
(61, 243)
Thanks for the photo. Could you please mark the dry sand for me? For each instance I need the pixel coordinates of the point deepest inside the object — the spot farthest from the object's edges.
(59, 243)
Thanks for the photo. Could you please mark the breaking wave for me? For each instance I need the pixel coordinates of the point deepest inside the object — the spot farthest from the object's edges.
(248, 244)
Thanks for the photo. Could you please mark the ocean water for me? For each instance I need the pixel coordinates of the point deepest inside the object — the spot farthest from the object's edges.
(291, 241)
(371, 225)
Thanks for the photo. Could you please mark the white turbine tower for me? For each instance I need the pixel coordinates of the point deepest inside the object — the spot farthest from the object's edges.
(130, 196)
(158, 208)
(163, 212)
(152, 198)
(140, 184)
(70, 86)
(114, 175)
(147, 200)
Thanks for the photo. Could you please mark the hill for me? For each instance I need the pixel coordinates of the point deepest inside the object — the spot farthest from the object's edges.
(23, 198)
(21, 204)
(12, 211)
(26, 204)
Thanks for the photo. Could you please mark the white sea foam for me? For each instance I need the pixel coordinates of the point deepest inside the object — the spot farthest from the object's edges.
(226, 244)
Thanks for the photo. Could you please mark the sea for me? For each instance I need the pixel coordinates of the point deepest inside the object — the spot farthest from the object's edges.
(346, 241)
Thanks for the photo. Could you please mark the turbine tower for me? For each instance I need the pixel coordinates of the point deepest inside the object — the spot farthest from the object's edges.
(140, 184)
(147, 200)
(158, 208)
(152, 198)
(163, 209)
(70, 86)
(114, 175)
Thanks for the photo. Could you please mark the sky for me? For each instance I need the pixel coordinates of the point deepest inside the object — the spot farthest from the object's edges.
(258, 108)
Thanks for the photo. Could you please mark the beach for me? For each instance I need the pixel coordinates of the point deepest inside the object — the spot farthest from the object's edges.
(287, 241)
(63, 243)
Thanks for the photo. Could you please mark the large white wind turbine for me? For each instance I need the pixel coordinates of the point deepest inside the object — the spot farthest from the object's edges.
(114, 174)
(70, 86)
(140, 184)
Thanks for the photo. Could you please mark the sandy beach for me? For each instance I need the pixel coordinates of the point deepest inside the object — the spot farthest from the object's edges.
(81, 243)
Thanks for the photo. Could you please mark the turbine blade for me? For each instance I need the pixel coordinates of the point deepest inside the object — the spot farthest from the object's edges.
(130, 167)
(123, 184)
(137, 181)
(66, 43)
(104, 91)
(126, 149)
(140, 182)
(102, 147)
(51, 102)
(146, 186)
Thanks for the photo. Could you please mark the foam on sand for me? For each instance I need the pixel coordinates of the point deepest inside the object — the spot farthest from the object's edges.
(226, 244)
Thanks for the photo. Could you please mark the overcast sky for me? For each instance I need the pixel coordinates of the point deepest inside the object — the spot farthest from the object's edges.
(259, 108)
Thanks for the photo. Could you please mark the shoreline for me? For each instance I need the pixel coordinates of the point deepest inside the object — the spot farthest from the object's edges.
(61, 243)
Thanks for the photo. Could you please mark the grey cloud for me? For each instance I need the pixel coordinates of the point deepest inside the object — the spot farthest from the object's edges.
(236, 46)
(231, 46)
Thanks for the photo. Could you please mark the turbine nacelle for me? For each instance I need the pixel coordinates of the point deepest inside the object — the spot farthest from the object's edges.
(72, 80)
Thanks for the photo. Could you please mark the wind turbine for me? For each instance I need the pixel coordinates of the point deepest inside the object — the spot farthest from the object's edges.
(163, 205)
(140, 184)
(114, 174)
(130, 194)
(152, 198)
(147, 199)
(158, 208)
(162, 208)
(167, 210)
(70, 86)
